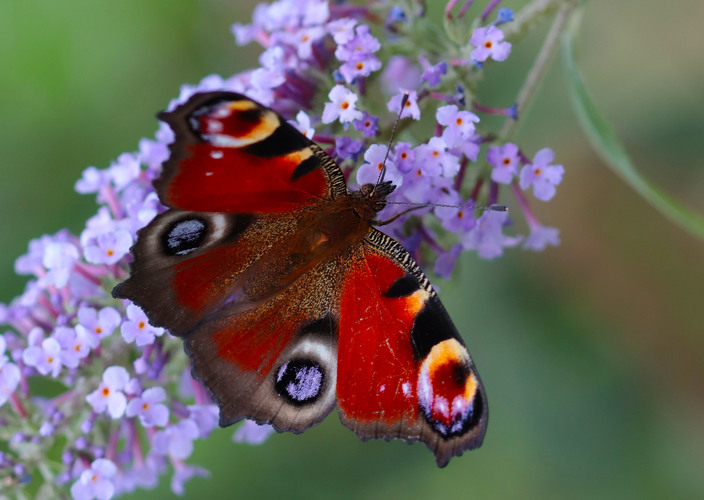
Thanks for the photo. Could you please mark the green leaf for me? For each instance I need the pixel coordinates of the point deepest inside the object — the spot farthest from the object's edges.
(608, 146)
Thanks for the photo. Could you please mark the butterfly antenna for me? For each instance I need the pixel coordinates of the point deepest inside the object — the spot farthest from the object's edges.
(493, 208)
(416, 206)
(404, 100)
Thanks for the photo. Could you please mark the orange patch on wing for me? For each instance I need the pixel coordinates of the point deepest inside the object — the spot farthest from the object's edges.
(442, 363)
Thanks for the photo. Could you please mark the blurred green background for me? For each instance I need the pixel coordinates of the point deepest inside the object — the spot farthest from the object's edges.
(592, 352)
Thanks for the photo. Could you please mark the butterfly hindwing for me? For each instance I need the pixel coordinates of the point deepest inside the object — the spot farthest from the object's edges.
(276, 362)
(403, 370)
(233, 155)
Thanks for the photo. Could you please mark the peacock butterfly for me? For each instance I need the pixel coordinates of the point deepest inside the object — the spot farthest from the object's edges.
(289, 303)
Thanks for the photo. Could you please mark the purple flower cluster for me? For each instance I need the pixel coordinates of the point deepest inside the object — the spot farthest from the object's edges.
(124, 418)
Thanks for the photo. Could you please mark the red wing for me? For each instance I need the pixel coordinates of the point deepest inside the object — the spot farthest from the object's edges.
(275, 362)
(187, 264)
(403, 370)
(233, 155)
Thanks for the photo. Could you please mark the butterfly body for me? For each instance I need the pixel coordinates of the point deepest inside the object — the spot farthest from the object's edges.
(289, 302)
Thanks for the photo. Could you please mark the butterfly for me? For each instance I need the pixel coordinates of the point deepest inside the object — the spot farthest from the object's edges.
(288, 301)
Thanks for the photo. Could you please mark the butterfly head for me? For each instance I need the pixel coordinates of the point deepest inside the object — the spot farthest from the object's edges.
(374, 195)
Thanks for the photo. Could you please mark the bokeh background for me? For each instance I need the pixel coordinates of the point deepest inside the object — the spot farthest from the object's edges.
(592, 352)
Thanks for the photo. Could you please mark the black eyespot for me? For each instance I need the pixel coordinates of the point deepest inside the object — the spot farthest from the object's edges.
(184, 236)
(300, 381)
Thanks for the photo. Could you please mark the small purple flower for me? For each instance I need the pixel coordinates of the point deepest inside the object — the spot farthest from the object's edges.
(368, 173)
(445, 263)
(108, 248)
(342, 30)
(205, 417)
(59, 258)
(458, 218)
(149, 408)
(403, 157)
(45, 357)
(92, 181)
(504, 15)
(396, 14)
(183, 474)
(302, 124)
(109, 394)
(124, 170)
(137, 328)
(304, 39)
(487, 236)
(347, 148)
(410, 109)
(459, 125)
(368, 125)
(505, 160)
(176, 440)
(359, 47)
(98, 324)
(469, 148)
(315, 12)
(9, 378)
(433, 74)
(251, 432)
(434, 159)
(341, 106)
(96, 482)
(272, 72)
(154, 153)
(540, 237)
(541, 175)
(488, 43)
(74, 345)
(360, 67)
(46, 429)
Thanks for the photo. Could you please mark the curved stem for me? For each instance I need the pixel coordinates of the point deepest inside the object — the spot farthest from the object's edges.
(542, 62)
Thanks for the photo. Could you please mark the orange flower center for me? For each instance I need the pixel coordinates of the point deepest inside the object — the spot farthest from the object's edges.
(109, 252)
(360, 65)
(141, 325)
(488, 44)
(106, 391)
(507, 161)
(537, 171)
(459, 121)
(345, 105)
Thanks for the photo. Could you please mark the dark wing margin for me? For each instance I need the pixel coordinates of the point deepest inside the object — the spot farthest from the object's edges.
(232, 154)
(403, 369)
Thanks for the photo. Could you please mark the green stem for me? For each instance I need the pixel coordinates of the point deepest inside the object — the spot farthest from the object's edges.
(529, 15)
(540, 67)
(610, 149)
